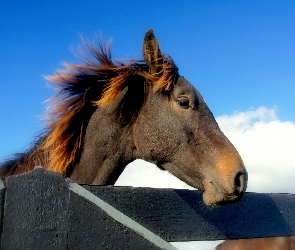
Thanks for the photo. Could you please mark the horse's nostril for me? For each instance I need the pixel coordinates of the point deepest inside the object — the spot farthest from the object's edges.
(239, 182)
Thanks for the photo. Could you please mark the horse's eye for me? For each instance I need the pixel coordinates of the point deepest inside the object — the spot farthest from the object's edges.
(183, 102)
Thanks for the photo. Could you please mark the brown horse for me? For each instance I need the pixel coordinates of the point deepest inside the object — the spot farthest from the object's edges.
(271, 243)
(107, 114)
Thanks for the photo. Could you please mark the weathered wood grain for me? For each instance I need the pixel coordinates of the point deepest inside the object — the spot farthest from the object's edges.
(42, 212)
(35, 214)
(91, 228)
(180, 215)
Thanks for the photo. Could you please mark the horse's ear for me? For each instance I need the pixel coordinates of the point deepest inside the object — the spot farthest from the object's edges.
(151, 52)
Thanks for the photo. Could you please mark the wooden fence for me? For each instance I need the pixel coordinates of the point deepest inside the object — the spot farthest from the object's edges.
(43, 210)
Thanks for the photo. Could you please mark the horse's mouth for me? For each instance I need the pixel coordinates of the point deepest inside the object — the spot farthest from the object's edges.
(215, 195)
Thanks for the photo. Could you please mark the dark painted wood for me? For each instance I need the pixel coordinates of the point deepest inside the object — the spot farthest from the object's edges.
(35, 211)
(42, 213)
(180, 215)
(90, 228)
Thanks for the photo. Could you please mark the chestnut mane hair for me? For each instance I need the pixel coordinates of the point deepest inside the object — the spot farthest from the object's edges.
(81, 90)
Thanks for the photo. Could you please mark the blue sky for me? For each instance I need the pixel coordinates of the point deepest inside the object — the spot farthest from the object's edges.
(239, 54)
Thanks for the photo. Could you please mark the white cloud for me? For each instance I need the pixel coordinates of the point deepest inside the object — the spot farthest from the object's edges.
(240, 122)
(266, 144)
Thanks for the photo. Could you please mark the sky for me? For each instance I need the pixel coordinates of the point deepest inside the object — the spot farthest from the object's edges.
(239, 54)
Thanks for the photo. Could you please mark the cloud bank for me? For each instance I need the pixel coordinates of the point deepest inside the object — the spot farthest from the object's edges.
(266, 144)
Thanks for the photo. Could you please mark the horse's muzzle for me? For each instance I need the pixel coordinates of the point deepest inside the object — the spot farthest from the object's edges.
(220, 193)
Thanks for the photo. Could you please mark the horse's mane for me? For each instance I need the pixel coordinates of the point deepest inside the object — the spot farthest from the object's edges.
(81, 90)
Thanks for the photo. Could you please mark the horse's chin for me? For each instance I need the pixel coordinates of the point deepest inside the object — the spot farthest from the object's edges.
(213, 197)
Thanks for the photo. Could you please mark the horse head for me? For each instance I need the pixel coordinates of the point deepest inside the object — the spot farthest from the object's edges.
(176, 130)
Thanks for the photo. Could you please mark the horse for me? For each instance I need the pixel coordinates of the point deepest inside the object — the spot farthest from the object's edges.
(107, 113)
(270, 243)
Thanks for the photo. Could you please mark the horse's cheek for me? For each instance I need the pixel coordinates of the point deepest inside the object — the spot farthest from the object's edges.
(156, 135)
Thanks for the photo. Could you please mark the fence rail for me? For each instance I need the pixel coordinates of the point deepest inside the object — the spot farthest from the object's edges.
(41, 209)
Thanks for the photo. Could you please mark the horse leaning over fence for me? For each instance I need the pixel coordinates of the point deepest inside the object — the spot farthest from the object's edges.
(107, 114)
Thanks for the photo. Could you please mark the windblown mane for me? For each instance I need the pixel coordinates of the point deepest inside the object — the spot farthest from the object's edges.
(82, 89)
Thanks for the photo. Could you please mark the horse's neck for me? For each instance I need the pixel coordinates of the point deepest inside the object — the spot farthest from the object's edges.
(108, 148)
